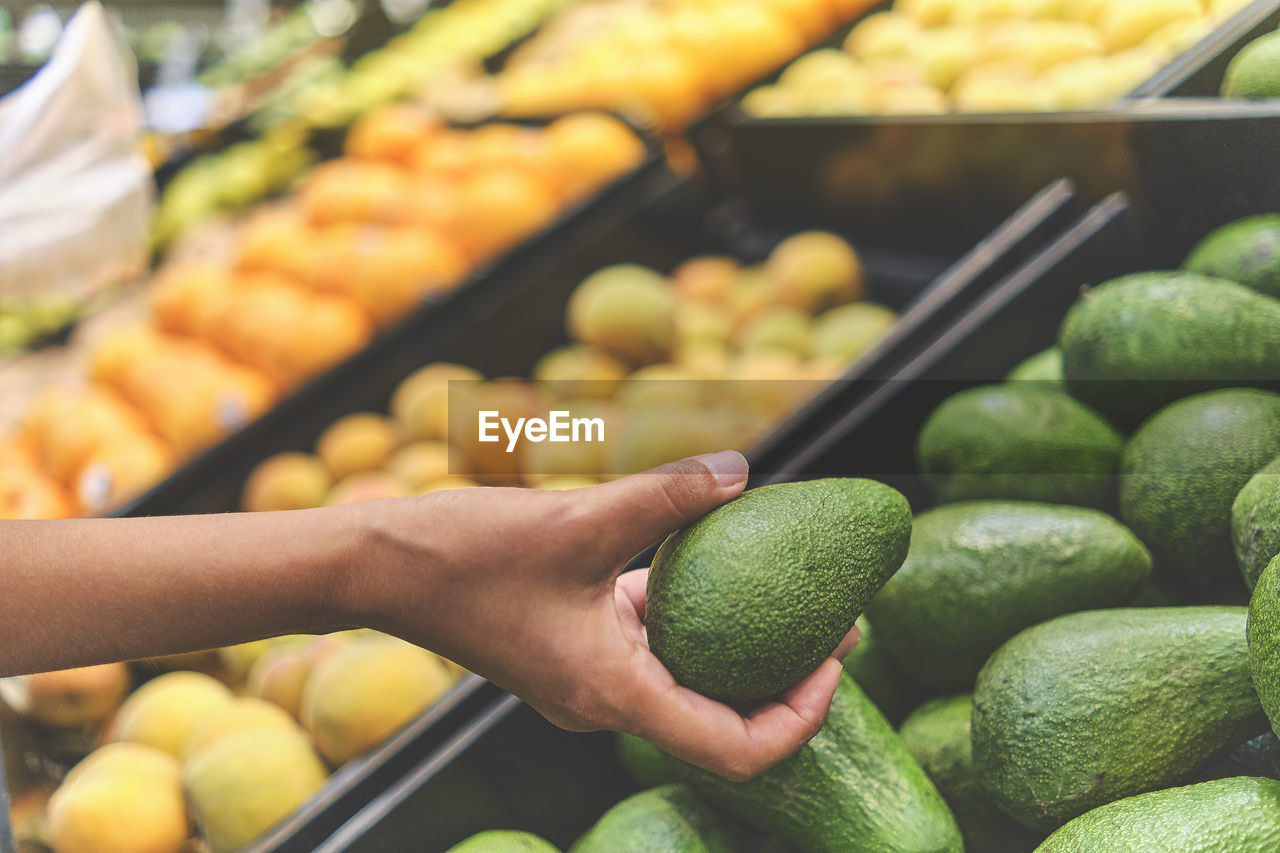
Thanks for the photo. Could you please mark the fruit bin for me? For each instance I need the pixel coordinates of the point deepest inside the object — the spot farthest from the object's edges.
(1201, 75)
(958, 170)
(508, 768)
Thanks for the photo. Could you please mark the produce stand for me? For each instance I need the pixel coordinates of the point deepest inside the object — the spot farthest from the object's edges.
(509, 768)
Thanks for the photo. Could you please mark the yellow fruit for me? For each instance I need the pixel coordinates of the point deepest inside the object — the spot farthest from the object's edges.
(817, 68)
(753, 292)
(846, 332)
(781, 327)
(648, 438)
(419, 464)
(286, 481)
(702, 357)
(1126, 23)
(243, 784)
(1220, 10)
(927, 13)
(280, 675)
(704, 279)
(365, 486)
(421, 402)
(767, 383)
(702, 321)
(625, 309)
(772, 102)
(1039, 44)
(996, 95)
(579, 370)
(944, 54)
(1174, 38)
(160, 713)
(513, 399)
(239, 659)
(242, 714)
(815, 270)
(909, 100)
(368, 690)
(70, 698)
(122, 467)
(120, 803)
(884, 35)
(1084, 11)
(183, 293)
(359, 442)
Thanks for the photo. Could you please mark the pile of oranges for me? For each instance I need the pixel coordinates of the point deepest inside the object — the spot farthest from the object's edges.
(662, 62)
(406, 215)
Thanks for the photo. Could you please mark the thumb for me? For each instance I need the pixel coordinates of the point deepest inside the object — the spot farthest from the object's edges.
(640, 510)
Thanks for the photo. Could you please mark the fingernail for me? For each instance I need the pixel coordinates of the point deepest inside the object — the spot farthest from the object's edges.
(729, 466)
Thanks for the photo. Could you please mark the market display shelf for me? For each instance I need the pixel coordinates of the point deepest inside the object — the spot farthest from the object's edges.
(952, 174)
(526, 315)
(510, 769)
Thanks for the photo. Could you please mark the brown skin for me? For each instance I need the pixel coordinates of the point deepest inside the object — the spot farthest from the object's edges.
(520, 586)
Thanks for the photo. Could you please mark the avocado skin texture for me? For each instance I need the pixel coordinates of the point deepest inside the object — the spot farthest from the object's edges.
(981, 571)
(644, 762)
(1237, 815)
(1254, 72)
(871, 668)
(854, 788)
(504, 841)
(1182, 469)
(1255, 522)
(755, 595)
(1246, 251)
(937, 736)
(1097, 706)
(667, 819)
(1023, 441)
(1264, 641)
(1139, 342)
(1044, 367)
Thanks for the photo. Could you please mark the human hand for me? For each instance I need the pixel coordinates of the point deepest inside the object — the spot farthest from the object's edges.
(523, 587)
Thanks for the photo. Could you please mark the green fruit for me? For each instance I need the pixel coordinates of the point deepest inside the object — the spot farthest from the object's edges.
(1238, 815)
(979, 572)
(870, 666)
(1264, 641)
(643, 761)
(503, 841)
(1097, 706)
(847, 331)
(1182, 469)
(1139, 342)
(1044, 366)
(1021, 441)
(1254, 73)
(937, 736)
(668, 819)
(751, 598)
(1246, 251)
(854, 788)
(1255, 522)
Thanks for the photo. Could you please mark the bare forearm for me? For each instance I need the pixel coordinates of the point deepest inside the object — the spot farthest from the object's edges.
(86, 591)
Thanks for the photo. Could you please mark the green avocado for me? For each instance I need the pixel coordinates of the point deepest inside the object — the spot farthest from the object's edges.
(1019, 440)
(752, 597)
(1141, 341)
(1254, 72)
(854, 788)
(981, 571)
(937, 736)
(870, 666)
(1255, 522)
(667, 819)
(1093, 707)
(1237, 815)
(503, 841)
(1246, 251)
(1182, 469)
(644, 762)
(1044, 367)
(1264, 641)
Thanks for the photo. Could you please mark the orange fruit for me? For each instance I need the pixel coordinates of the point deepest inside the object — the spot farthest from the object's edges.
(447, 154)
(500, 207)
(14, 453)
(122, 467)
(347, 190)
(589, 149)
(813, 18)
(330, 329)
(391, 134)
(29, 494)
(276, 241)
(65, 426)
(431, 201)
(363, 441)
(753, 40)
(705, 279)
(182, 293)
(666, 88)
(286, 481)
(263, 305)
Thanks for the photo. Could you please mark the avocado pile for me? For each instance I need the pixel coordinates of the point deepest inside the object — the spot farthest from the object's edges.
(1080, 645)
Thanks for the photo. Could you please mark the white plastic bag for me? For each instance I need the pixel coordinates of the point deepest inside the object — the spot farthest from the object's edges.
(75, 188)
